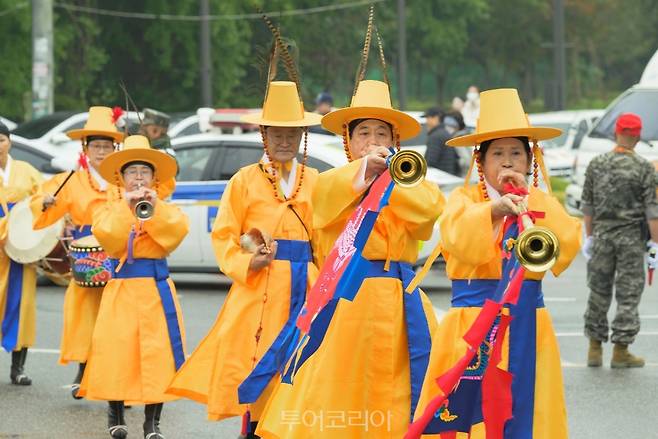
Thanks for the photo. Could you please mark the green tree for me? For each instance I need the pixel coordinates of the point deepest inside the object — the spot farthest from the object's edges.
(15, 67)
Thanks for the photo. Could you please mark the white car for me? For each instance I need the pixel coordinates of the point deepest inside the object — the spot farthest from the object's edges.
(25, 150)
(8, 123)
(641, 99)
(559, 152)
(205, 120)
(208, 161)
(48, 133)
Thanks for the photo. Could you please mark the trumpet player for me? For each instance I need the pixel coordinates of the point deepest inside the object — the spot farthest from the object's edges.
(476, 240)
(372, 355)
(138, 341)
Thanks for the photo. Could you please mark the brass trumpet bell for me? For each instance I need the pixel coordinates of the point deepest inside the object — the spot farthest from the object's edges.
(537, 248)
(143, 210)
(407, 168)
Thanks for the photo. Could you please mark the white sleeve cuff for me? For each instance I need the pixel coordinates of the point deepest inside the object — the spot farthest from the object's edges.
(360, 184)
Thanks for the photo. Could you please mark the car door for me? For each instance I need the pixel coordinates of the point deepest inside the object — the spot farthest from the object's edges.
(192, 195)
(233, 156)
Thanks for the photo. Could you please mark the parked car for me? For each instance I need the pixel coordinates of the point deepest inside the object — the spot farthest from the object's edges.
(641, 99)
(23, 149)
(208, 161)
(559, 152)
(48, 134)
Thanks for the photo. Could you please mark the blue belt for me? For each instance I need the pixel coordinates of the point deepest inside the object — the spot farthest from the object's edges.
(418, 334)
(13, 303)
(299, 254)
(81, 232)
(157, 269)
(469, 293)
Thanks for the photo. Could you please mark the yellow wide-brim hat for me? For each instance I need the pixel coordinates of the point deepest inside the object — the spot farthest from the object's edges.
(99, 123)
(502, 115)
(372, 101)
(283, 108)
(138, 149)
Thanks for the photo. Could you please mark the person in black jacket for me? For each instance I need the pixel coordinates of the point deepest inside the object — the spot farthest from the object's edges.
(440, 129)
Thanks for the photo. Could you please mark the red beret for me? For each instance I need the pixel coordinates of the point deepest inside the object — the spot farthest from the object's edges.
(629, 123)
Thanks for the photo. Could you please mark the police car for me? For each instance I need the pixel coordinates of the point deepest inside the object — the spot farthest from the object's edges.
(207, 161)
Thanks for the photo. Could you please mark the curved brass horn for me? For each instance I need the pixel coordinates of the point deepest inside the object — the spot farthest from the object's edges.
(143, 210)
(537, 248)
(407, 168)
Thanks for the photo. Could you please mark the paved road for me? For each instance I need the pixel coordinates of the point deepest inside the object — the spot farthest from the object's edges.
(602, 403)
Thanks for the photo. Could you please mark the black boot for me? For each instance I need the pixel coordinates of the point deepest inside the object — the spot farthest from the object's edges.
(76, 382)
(152, 421)
(116, 424)
(17, 375)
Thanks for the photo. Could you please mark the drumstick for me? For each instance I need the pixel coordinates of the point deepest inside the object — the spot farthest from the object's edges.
(60, 188)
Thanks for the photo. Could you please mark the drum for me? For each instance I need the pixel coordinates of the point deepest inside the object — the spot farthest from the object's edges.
(90, 265)
(43, 247)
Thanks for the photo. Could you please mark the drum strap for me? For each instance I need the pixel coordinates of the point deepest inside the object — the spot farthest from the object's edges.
(12, 307)
(158, 270)
(13, 304)
(81, 231)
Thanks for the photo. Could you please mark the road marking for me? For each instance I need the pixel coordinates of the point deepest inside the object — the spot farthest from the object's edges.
(580, 334)
(44, 351)
(570, 365)
(559, 299)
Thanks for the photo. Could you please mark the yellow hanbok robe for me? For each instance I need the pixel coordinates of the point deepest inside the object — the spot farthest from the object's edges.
(19, 319)
(229, 352)
(79, 198)
(133, 356)
(358, 382)
(472, 249)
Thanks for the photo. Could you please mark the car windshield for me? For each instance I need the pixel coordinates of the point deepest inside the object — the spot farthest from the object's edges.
(559, 140)
(38, 127)
(644, 103)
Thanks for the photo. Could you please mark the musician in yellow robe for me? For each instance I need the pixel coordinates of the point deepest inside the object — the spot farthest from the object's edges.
(18, 282)
(472, 228)
(269, 286)
(138, 340)
(362, 381)
(84, 191)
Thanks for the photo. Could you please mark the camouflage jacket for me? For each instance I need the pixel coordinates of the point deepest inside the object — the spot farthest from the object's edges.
(620, 194)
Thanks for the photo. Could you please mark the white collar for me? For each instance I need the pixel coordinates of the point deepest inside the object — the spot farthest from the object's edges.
(286, 185)
(102, 183)
(493, 193)
(6, 173)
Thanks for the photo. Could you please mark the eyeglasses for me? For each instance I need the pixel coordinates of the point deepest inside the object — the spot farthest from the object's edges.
(106, 146)
(133, 173)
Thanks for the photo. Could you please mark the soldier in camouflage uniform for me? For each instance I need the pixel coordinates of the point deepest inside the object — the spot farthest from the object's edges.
(154, 126)
(618, 201)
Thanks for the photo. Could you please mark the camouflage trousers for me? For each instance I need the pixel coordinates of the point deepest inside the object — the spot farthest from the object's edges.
(618, 263)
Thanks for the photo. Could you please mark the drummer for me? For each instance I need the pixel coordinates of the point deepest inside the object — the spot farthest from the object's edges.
(18, 283)
(138, 341)
(79, 196)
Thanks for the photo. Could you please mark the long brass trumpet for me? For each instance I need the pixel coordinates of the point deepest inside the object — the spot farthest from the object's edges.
(537, 247)
(407, 168)
(143, 210)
